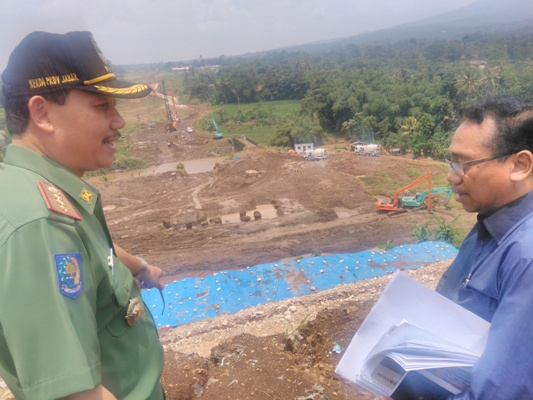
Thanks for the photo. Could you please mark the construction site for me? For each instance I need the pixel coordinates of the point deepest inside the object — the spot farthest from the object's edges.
(204, 205)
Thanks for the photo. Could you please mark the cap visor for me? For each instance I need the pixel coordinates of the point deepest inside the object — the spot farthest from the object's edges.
(120, 89)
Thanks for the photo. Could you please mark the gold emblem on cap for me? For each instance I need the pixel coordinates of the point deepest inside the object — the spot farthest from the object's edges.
(86, 195)
(135, 311)
(135, 89)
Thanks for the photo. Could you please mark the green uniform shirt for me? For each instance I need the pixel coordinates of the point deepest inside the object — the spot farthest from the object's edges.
(64, 295)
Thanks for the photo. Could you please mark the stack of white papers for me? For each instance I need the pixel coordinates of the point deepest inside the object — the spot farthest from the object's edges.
(414, 343)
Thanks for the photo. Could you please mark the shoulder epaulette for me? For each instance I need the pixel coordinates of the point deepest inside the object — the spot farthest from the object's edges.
(57, 201)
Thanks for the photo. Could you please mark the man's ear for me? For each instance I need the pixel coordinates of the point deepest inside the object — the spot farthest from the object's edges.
(523, 165)
(38, 108)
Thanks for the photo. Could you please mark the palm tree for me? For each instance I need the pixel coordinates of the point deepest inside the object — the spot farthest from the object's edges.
(468, 82)
(491, 79)
(409, 127)
(528, 66)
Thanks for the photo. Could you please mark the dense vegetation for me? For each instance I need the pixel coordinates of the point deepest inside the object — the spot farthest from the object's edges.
(404, 95)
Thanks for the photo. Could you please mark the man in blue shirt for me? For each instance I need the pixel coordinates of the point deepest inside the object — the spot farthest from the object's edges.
(491, 173)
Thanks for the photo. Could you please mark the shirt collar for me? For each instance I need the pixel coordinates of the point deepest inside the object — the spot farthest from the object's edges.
(502, 221)
(80, 191)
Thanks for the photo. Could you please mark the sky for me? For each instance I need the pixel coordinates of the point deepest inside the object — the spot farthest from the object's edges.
(151, 31)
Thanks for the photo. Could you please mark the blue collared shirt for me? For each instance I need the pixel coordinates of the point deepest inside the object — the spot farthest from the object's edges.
(492, 276)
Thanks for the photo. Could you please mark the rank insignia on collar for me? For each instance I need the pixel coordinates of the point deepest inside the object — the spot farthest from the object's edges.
(135, 311)
(69, 274)
(57, 201)
(86, 195)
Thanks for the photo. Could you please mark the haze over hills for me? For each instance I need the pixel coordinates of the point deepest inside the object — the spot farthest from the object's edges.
(485, 13)
(490, 16)
(483, 16)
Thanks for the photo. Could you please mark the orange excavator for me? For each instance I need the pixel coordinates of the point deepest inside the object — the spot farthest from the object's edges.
(394, 204)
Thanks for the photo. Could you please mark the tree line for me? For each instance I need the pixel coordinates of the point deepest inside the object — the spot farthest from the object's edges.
(404, 95)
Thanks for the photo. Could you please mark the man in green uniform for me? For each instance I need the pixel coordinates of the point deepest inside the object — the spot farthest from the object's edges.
(72, 319)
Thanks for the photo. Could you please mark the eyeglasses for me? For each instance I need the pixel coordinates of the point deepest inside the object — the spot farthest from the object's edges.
(459, 167)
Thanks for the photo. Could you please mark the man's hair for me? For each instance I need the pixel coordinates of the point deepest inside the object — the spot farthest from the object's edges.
(513, 116)
(18, 114)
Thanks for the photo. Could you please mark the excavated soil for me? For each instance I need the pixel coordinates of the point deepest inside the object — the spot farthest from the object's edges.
(176, 220)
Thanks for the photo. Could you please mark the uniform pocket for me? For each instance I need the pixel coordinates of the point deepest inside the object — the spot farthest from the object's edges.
(123, 291)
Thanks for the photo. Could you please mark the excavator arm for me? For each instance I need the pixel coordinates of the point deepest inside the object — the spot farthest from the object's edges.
(448, 191)
(216, 133)
(419, 198)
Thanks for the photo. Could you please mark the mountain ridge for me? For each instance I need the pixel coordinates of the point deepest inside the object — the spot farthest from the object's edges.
(490, 16)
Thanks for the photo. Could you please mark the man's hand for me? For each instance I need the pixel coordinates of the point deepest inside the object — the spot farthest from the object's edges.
(147, 278)
(151, 278)
(98, 393)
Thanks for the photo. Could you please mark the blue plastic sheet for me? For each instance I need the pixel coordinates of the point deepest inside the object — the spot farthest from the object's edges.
(229, 291)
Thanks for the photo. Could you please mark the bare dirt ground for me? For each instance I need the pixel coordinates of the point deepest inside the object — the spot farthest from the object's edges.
(174, 220)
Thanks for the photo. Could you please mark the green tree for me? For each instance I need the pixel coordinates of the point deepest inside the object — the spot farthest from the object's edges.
(303, 130)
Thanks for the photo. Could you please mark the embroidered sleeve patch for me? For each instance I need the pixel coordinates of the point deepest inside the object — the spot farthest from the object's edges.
(57, 201)
(69, 274)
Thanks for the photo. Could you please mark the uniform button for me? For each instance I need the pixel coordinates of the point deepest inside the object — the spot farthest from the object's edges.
(127, 288)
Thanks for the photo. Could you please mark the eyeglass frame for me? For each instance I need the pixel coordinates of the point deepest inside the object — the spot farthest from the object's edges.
(459, 167)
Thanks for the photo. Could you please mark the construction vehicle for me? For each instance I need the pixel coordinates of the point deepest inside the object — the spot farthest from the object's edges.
(172, 123)
(418, 199)
(357, 147)
(394, 204)
(216, 133)
(371, 150)
(316, 154)
(365, 149)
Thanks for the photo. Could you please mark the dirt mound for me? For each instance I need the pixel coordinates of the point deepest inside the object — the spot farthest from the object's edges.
(321, 207)
(283, 350)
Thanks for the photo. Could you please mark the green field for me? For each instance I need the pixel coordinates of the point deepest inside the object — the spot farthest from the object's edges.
(256, 121)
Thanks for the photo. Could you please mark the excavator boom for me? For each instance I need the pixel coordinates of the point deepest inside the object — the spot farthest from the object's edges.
(419, 198)
(216, 133)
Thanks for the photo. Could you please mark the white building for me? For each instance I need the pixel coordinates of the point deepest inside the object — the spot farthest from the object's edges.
(300, 148)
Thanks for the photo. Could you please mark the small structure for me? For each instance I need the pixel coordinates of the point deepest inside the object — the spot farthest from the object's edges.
(301, 148)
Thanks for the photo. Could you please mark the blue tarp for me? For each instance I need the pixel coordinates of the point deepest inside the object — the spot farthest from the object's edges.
(229, 291)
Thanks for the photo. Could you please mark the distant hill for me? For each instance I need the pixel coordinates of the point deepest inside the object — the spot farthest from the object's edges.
(483, 16)
(488, 16)
(483, 13)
